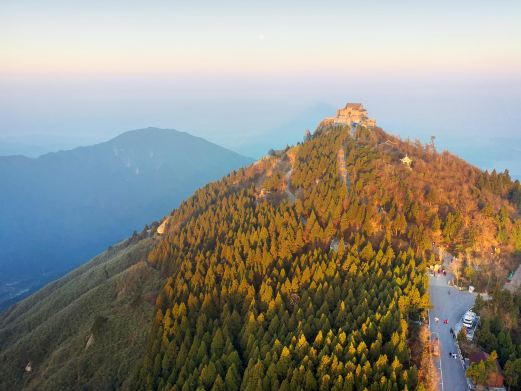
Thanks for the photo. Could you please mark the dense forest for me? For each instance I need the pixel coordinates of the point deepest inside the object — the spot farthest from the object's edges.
(499, 332)
(307, 269)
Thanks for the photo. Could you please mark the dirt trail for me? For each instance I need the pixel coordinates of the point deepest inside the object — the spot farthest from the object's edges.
(342, 168)
(287, 182)
(341, 161)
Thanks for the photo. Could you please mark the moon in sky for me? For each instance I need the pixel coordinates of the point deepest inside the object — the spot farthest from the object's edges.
(261, 37)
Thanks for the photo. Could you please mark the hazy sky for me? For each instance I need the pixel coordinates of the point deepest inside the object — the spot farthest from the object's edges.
(235, 72)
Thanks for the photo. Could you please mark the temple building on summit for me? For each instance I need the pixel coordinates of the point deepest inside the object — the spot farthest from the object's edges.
(353, 114)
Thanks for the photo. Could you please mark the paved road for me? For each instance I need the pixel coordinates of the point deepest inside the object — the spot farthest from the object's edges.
(451, 307)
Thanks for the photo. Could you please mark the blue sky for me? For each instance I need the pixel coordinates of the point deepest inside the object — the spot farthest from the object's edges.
(237, 72)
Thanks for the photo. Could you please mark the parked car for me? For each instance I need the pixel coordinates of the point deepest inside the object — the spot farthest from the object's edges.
(469, 319)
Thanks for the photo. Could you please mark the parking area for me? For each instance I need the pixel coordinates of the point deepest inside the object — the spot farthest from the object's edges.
(449, 304)
(469, 331)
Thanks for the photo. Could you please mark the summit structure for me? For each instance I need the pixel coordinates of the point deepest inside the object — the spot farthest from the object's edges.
(352, 114)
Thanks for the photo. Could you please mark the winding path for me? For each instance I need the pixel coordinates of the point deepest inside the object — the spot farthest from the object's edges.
(342, 168)
(287, 182)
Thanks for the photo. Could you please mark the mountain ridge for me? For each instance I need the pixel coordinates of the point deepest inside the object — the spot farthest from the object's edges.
(74, 203)
(253, 289)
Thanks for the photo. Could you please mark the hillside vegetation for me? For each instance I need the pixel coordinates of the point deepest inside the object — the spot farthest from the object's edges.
(84, 331)
(305, 270)
(266, 293)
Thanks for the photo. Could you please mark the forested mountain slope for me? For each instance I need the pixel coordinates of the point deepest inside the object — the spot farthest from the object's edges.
(62, 208)
(305, 270)
(269, 293)
(84, 331)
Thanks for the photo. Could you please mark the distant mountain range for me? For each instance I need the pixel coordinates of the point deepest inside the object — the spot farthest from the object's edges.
(10, 148)
(498, 153)
(289, 133)
(60, 209)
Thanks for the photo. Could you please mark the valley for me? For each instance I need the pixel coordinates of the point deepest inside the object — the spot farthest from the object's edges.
(14, 290)
(85, 328)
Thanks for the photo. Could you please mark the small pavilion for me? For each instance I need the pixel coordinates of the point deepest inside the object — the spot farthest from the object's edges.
(406, 161)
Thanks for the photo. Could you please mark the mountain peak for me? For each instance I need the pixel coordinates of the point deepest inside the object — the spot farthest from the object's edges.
(145, 132)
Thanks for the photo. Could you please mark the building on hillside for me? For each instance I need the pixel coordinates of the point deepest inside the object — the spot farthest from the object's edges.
(264, 192)
(353, 114)
(406, 161)
(495, 381)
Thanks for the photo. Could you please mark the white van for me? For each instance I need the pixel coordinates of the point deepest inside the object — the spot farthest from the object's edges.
(468, 319)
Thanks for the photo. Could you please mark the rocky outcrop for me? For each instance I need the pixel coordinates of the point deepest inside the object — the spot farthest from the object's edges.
(90, 342)
(162, 227)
